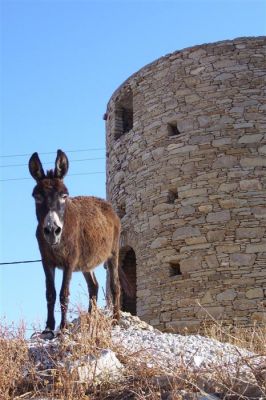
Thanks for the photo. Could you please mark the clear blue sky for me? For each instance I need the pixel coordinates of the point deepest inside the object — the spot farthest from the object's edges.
(60, 63)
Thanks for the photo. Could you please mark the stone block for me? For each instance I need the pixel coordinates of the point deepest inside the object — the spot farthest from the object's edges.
(256, 248)
(232, 203)
(193, 247)
(250, 184)
(262, 149)
(192, 98)
(259, 316)
(187, 210)
(201, 139)
(192, 193)
(216, 236)
(197, 54)
(204, 121)
(256, 138)
(245, 305)
(161, 208)
(225, 161)
(241, 259)
(212, 261)
(259, 212)
(194, 200)
(229, 294)
(119, 177)
(206, 299)
(215, 311)
(159, 242)
(190, 264)
(249, 162)
(184, 149)
(197, 71)
(195, 240)
(221, 142)
(186, 125)
(228, 248)
(228, 187)
(219, 216)
(206, 208)
(250, 233)
(185, 232)
(224, 76)
(154, 222)
(255, 293)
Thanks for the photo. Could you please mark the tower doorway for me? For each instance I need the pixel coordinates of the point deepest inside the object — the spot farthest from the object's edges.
(128, 265)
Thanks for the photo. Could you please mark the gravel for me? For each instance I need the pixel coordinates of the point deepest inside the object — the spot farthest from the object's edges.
(169, 350)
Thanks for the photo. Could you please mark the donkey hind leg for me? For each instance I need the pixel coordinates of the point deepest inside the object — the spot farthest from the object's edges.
(112, 264)
(93, 287)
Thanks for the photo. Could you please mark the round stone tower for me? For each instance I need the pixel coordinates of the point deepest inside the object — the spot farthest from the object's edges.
(186, 172)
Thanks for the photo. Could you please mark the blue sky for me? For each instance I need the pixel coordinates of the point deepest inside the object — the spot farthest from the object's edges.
(60, 63)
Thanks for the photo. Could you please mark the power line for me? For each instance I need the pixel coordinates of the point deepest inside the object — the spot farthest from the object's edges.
(19, 262)
(51, 152)
(51, 163)
(25, 179)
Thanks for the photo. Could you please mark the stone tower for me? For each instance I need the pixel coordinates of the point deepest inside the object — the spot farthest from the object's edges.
(186, 172)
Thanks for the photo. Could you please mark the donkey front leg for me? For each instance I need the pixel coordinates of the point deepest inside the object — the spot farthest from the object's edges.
(50, 296)
(64, 296)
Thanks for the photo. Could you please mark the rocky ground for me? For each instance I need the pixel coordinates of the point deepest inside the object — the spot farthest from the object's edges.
(216, 369)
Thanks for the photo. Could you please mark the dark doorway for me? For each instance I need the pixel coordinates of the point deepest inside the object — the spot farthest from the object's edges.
(128, 264)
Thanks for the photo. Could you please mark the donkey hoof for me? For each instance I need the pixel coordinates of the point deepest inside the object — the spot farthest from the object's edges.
(116, 318)
(47, 334)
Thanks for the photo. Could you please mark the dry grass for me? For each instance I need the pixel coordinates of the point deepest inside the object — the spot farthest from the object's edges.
(21, 377)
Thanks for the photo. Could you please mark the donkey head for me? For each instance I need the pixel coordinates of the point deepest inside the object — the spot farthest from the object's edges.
(50, 196)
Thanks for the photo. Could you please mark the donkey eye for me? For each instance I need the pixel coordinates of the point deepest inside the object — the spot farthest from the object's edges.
(63, 196)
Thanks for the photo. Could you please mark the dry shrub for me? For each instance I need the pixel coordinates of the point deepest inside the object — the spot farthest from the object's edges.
(13, 357)
(87, 335)
(239, 384)
(141, 379)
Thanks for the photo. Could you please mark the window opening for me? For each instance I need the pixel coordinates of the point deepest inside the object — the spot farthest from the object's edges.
(172, 129)
(175, 269)
(124, 114)
(121, 210)
(172, 196)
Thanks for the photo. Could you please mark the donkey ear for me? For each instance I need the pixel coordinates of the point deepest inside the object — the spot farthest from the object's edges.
(61, 165)
(35, 167)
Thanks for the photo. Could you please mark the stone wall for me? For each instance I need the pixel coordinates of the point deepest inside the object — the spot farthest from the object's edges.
(186, 171)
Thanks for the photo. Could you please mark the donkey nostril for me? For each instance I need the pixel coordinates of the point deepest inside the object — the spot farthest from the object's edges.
(46, 231)
(58, 231)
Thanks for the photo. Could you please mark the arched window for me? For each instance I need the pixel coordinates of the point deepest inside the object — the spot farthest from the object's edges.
(124, 114)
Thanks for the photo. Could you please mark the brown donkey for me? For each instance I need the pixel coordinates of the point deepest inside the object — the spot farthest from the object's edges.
(74, 234)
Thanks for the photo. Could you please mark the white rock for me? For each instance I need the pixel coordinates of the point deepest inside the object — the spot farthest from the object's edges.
(106, 367)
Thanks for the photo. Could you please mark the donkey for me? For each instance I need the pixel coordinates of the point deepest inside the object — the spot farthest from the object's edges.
(73, 234)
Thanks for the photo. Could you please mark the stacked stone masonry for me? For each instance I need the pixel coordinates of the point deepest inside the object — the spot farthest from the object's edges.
(186, 171)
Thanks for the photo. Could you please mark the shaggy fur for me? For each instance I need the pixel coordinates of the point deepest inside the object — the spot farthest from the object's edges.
(90, 236)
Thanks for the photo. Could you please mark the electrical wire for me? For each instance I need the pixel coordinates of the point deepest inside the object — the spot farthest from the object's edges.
(19, 262)
(51, 163)
(51, 152)
(81, 173)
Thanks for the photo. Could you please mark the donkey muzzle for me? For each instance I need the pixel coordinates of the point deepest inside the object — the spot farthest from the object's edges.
(52, 228)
